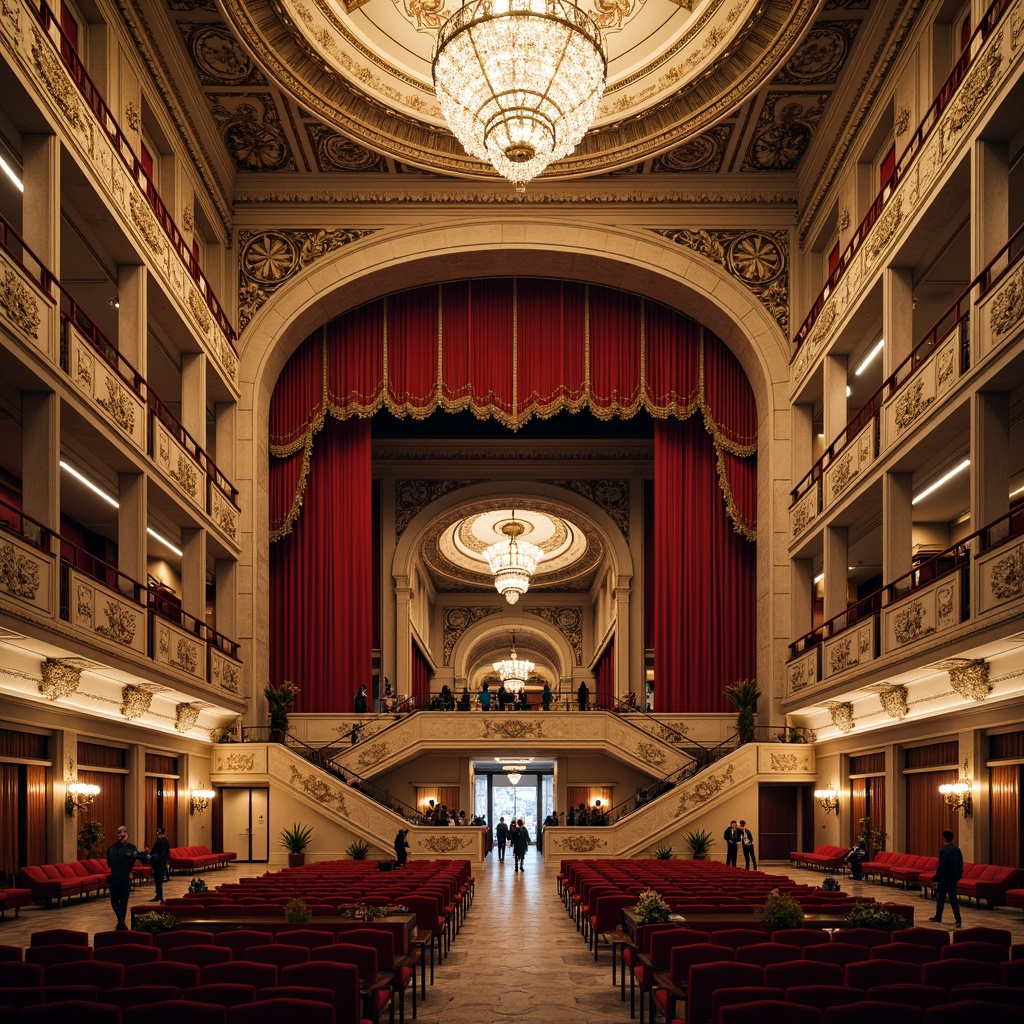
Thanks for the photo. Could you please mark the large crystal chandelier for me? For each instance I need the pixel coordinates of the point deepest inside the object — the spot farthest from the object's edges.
(514, 671)
(519, 81)
(513, 562)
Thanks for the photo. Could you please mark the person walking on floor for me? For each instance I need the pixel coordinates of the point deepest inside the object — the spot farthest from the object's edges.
(158, 854)
(121, 858)
(501, 833)
(949, 871)
(520, 844)
(401, 847)
(747, 842)
(732, 843)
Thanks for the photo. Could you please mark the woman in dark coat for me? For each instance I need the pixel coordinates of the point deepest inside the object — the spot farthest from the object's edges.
(520, 840)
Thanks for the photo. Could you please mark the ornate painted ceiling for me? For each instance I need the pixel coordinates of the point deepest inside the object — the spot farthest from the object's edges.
(309, 87)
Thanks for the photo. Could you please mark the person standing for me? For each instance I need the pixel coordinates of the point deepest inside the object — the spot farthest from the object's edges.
(582, 696)
(121, 858)
(545, 697)
(501, 833)
(485, 698)
(949, 871)
(732, 843)
(855, 858)
(520, 844)
(401, 847)
(158, 854)
(747, 842)
(360, 704)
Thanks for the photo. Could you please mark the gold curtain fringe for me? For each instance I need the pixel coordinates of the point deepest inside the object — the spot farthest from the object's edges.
(739, 524)
(286, 524)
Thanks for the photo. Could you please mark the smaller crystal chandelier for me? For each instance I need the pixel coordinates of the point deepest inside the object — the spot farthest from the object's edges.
(519, 81)
(513, 562)
(514, 671)
(514, 772)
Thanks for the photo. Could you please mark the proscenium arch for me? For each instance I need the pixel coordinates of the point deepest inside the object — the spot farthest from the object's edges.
(640, 262)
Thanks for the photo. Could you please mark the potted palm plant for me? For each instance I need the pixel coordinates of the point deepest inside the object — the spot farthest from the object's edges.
(700, 842)
(280, 699)
(295, 840)
(744, 695)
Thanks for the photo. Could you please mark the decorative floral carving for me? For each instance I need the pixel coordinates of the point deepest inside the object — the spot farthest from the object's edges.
(798, 676)
(894, 701)
(186, 656)
(703, 790)
(968, 677)
(844, 218)
(373, 754)
(944, 603)
(186, 475)
(911, 403)
(225, 515)
(885, 227)
(320, 791)
(901, 122)
(1008, 575)
(225, 675)
(83, 605)
(19, 575)
(568, 620)
(61, 678)
(446, 843)
(1008, 305)
(455, 622)
(975, 85)
(117, 403)
(199, 310)
(19, 304)
(412, 496)
(186, 716)
(65, 95)
(944, 366)
(842, 473)
(788, 762)
(120, 623)
(909, 622)
(512, 729)
(840, 656)
(651, 754)
(842, 715)
(583, 844)
(804, 513)
(84, 369)
(611, 496)
(132, 117)
(144, 220)
(237, 762)
(135, 701)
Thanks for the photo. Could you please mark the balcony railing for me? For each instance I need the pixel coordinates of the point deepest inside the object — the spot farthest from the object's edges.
(30, 530)
(914, 147)
(50, 24)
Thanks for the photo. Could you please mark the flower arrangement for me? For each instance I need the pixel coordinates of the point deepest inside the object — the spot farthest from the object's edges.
(297, 911)
(873, 915)
(154, 921)
(780, 911)
(651, 908)
(366, 912)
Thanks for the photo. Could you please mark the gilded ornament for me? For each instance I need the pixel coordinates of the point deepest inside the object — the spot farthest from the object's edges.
(55, 77)
(135, 701)
(186, 716)
(512, 729)
(19, 304)
(842, 715)
(412, 496)
(1008, 305)
(1008, 575)
(132, 117)
(804, 513)
(840, 656)
(703, 790)
(318, 789)
(651, 754)
(19, 575)
(968, 677)
(117, 403)
(143, 218)
(976, 85)
(186, 475)
(120, 625)
(455, 622)
(788, 762)
(582, 844)
(909, 624)
(841, 474)
(61, 678)
(798, 676)
(199, 310)
(568, 620)
(226, 676)
(237, 763)
(885, 227)
(445, 844)
(373, 754)
(944, 369)
(611, 496)
(894, 701)
(902, 121)
(910, 404)
(187, 657)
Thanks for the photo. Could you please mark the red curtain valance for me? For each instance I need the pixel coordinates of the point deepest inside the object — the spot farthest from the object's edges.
(511, 349)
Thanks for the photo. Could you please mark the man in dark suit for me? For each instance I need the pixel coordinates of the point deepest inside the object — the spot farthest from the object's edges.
(747, 842)
(121, 859)
(732, 843)
(949, 871)
(501, 834)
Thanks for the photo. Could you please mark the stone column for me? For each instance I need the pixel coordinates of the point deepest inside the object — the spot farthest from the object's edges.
(193, 396)
(990, 457)
(897, 524)
(835, 415)
(41, 202)
(990, 203)
(132, 316)
(132, 520)
(897, 317)
(193, 573)
(836, 572)
(40, 456)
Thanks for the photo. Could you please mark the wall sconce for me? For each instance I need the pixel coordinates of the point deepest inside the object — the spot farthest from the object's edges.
(200, 800)
(80, 795)
(958, 794)
(828, 798)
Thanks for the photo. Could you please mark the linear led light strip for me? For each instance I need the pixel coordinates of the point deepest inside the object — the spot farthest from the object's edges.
(866, 361)
(12, 174)
(81, 478)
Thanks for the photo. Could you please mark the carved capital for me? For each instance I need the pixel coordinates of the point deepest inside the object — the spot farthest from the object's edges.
(135, 701)
(185, 716)
(60, 678)
(968, 677)
(894, 701)
(842, 715)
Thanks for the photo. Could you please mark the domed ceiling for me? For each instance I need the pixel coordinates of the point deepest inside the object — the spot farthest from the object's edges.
(324, 86)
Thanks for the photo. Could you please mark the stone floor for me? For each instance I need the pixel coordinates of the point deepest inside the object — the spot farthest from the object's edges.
(517, 957)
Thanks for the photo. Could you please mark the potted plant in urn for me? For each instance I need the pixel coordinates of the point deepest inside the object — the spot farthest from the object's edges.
(744, 695)
(700, 842)
(280, 700)
(295, 840)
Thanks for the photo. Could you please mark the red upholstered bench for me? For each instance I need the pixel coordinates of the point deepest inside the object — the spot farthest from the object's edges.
(828, 858)
(197, 858)
(14, 899)
(1015, 898)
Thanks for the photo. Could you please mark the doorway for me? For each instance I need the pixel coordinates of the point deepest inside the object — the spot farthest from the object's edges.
(247, 823)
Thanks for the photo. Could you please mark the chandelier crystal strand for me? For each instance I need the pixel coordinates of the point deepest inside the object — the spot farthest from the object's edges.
(519, 81)
(513, 671)
(513, 562)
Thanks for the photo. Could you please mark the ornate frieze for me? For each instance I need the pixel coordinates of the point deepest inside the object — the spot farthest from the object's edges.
(568, 620)
(706, 787)
(975, 86)
(759, 260)
(412, 496)
(142, 217)
(911, 403)
(1008, 305)
(885, 227)
(373, 754)
(803, 513)
(968, 677)
(446, 843)
(317, 789)
(224, 673)
(840, 655)
(611, 496)
(61, 678)
(582, 844)
(788, 762)
(841, 713)
(120, 624)
(894, 701)
(176, 464)
(18, 304)
(200, 311)
(224, 514)
(186, 716)
(236, 762)
(132, 116)
(118, 404)
(59, 85)
(512, 729)
(135, 701)
(269, 259)
(455, 622)
(19, 574)
(910, 622)
(1006, 579)
(901, 122)
(651, 754)
(798, 677)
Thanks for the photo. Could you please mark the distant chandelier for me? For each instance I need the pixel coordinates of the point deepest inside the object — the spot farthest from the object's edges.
(519, 81)
(514, 671)
(514, 772)
(512, 562)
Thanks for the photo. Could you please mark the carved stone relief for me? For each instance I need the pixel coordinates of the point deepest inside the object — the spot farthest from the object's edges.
(968, 677)
(186, 716)
(61, 678)
(894, 701)
(135, 701)
(569, 622)
(841, 713)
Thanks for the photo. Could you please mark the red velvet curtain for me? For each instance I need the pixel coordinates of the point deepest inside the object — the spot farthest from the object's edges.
(420, 676)
(704, 578)
(322, 577)
(603, 695)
